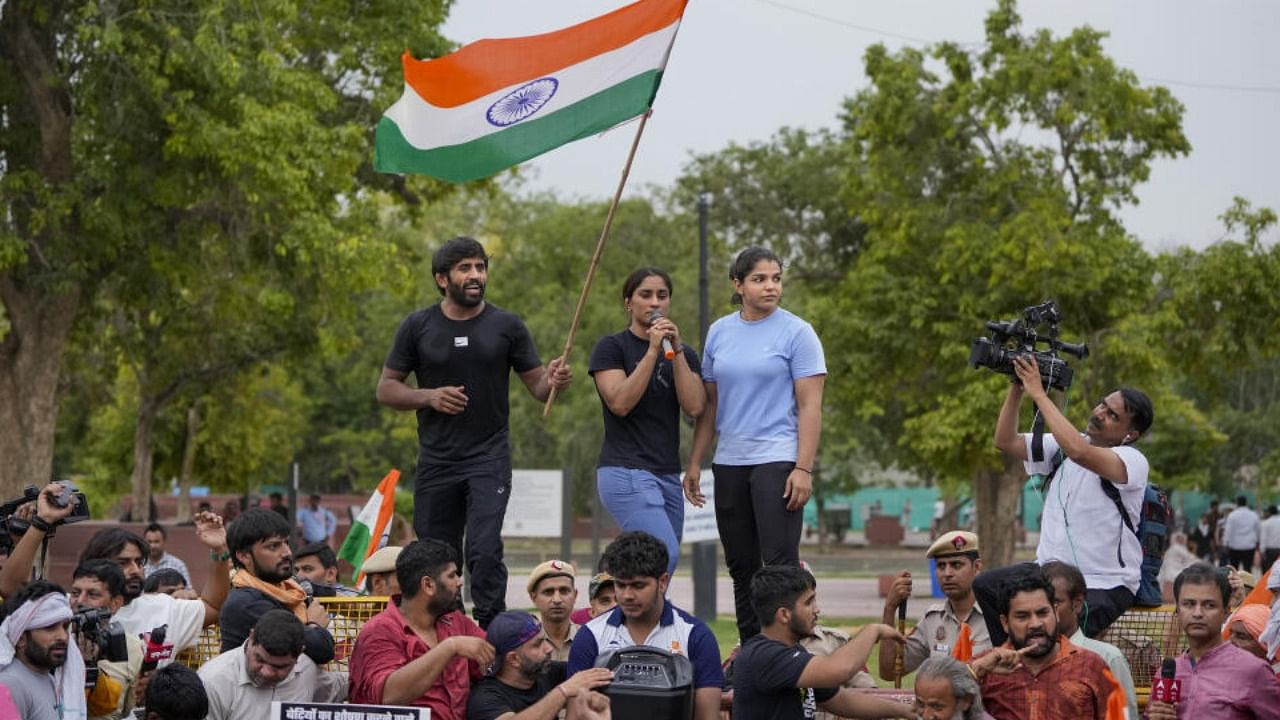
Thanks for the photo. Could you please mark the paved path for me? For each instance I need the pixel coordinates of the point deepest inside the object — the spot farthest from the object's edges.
(837, 597)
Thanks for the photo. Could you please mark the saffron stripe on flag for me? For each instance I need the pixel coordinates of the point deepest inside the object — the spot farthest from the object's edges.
(486, 66)
(494, 152)
(426, 126)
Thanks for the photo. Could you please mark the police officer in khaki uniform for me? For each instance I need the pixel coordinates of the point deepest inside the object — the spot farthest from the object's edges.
(957, 557)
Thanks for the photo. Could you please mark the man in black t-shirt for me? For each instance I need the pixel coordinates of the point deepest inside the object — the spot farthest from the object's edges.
(774, 678)
(524, 683)
(461, 352)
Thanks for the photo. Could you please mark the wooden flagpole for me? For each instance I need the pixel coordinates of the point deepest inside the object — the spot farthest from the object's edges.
(595, 258)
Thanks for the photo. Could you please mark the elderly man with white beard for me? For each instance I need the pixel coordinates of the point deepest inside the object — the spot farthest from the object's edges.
(946, 690)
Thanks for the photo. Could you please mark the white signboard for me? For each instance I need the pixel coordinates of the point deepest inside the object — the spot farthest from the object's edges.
(700, 523)
(287, 710)
(534, 509)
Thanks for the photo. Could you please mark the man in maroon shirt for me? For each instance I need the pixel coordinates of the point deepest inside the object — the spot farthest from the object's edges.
(1038, 673)
(420, 650)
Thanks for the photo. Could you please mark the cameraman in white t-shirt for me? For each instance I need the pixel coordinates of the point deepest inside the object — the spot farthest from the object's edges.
(1081, 525)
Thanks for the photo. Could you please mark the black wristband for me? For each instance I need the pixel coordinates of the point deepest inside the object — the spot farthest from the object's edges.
(803, 470)
(38, 523)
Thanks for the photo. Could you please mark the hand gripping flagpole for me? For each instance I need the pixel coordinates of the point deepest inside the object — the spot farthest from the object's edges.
(595, 258)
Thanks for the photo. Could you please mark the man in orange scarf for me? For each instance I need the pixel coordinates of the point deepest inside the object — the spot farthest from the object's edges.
(263, 581)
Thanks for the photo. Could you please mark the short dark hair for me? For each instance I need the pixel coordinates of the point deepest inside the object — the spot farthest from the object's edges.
(1202, 573)
(276, 496)
(163, 576)
(1029, 579)
(176, 693)
(1056, 569)
(1242, 500)
(31, 591)
(778, 586)
(422, 558)
(453, 252)
(104, 571)
(254, 525)
(638, 276)
(1141, 413)
(746, 260)
(321, 551)
(107, 544)
(636, 554)
(279, 632)
(156, 527)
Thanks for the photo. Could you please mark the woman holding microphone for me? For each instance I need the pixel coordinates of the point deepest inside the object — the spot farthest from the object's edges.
(646, 376)
(764, 371)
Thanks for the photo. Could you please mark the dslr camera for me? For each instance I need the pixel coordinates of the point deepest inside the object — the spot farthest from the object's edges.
(96, 626)
(1016, 338)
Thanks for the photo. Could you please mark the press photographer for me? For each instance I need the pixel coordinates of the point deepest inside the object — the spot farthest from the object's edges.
(97, 592)
(33, 518)
(1093, 474)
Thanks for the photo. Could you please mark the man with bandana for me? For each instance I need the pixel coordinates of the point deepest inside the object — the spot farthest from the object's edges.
(40, 666)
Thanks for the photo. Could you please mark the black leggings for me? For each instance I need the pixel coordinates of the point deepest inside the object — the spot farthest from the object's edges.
(755, 527)
(1104, 606)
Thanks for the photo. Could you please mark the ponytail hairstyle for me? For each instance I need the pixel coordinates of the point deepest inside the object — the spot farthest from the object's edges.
(743, 264)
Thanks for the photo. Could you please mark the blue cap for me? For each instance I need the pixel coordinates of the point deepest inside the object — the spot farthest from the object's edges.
(508, 631)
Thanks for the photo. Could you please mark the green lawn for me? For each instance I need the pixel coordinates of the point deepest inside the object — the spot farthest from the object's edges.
(726, 632)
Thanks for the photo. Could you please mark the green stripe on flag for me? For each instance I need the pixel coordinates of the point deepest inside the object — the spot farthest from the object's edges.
(502, 149)
(355, 546)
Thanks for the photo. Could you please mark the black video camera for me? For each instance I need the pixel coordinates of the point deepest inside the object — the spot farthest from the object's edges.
(1016, 338)
(96, 626)
(15, 527)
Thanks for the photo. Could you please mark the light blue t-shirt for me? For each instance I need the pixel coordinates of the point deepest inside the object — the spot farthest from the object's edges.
(754, 365)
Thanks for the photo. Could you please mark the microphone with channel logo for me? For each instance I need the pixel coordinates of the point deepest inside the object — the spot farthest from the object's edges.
(667, 351)
(1167, 688)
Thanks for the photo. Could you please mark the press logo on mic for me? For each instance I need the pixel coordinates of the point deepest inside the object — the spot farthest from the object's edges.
(667, 351)
(1167, 688)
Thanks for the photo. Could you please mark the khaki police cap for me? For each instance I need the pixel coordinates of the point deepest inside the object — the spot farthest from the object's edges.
(384, 560)
(551, 568)
(953, 543)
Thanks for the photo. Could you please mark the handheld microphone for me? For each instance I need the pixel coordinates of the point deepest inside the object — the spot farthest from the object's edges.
(1167, 688)
(667, 352)
(156, 649)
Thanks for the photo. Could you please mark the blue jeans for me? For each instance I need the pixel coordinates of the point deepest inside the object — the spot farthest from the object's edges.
(641, 500)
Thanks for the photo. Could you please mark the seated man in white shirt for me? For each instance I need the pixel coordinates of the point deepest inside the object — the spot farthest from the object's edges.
(242, 682)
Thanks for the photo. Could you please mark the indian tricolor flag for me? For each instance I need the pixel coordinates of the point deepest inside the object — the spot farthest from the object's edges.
(496, 103)
(372, 527)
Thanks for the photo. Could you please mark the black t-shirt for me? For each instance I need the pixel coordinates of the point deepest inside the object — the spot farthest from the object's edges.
(648, 438)
(491, 697)
(477, 354)
(764, 682)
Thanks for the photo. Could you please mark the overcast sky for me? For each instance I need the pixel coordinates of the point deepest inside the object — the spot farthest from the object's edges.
(741, 69)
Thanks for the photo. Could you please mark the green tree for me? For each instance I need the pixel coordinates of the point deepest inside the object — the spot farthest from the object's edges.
(142, 138)
(987, 181)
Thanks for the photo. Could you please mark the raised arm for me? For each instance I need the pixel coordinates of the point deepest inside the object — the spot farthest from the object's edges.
(1103, 461)
(1007, 439)
(828, 671)
(213, 535)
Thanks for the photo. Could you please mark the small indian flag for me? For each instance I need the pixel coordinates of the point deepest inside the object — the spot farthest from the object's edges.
(372, 527)
(496, 103)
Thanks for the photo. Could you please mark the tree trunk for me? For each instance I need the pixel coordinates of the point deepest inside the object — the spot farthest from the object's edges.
(996, 496)
(40, 311)
(142, 458)
(185, 479)
(30, 364)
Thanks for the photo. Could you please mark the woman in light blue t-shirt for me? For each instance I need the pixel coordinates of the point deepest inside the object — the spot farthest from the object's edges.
(763, 369)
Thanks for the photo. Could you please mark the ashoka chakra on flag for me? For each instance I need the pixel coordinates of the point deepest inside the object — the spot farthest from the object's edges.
(522, 102)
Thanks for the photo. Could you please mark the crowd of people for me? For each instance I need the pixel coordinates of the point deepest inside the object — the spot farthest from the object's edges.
(1025, 641)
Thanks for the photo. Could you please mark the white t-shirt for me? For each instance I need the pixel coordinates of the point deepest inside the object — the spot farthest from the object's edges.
(1240, 530)
(149, 611)
(1081, 525)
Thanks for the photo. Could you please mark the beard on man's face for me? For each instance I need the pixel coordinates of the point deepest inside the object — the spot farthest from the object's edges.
(278, 574)
(460, 295)
(132, 588)
(1042, 639)
(48, 658)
